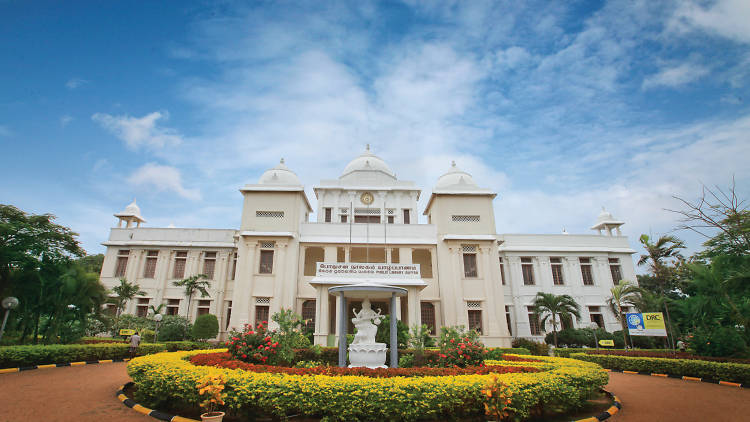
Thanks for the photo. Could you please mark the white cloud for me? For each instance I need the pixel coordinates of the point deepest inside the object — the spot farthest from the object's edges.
(65, 120)
(676, 76)
(140, 131)
(74, 83)
(162, 178)
(727, 18)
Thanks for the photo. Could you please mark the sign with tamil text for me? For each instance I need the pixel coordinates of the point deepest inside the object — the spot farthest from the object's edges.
(609, 343)
(127, 332)
(646, 324)
(367, 270)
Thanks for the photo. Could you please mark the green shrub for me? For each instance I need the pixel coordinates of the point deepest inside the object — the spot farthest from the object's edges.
(174, 328)
(719, 342)
(717, 371)
(536, 348)
(20, 356)
(174, 346)
(206, 326)
(384, 332)
(497, 353)
(456, 333)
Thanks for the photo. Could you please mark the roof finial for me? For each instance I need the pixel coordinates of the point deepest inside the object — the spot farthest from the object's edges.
(282, 160)
(453, 163)
(603, 210)
(367, 147)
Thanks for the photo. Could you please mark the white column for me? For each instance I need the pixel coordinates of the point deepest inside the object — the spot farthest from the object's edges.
(322, 316)
(243, 284)
(493, 297)
(413, 309)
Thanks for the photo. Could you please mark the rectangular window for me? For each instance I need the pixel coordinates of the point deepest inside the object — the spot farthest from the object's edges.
(470, 265)
(149, 270)
(204, 306)
(508, 319)
(209, 264)
(266, 257)
(234, 265)
(596, 315)
(423, 257)
(122, 262)
(557, 271)
(308, 314)
(407, 217)
(340, 254)
(141, 309)
(371, 219)
(390, 219)
(527, 268)
(465, 218)
(475, 320)
(588, 277)
(180, 261)
(261, 314)
(229, 314)
(395, 257)
(173, 306)
(269, 214)
(615, 270)
(502, 271)
(328, 212)
(427, 310)
(343, 219)
(534, 322)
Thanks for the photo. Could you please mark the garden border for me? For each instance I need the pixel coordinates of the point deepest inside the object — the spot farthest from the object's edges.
(60, 365)
(683, 377)
(163, 416)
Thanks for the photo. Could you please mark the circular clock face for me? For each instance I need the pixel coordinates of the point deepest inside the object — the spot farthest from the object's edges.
(366, 198)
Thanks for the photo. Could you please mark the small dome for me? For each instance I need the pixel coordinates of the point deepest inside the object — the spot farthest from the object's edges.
(456, 178)
(368, 162)
(279, 175)
(132, 211)
(604, 216)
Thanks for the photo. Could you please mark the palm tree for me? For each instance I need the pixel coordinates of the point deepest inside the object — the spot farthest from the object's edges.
(153, 309)
(625, 293)
(548, 304)
(664, 248)
(197, 282)
(124, 292)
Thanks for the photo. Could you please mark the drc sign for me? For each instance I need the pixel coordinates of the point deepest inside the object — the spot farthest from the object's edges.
(646, 324)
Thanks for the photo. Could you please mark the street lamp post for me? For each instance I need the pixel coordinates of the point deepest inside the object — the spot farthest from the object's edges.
(8, 303)
(157, 318)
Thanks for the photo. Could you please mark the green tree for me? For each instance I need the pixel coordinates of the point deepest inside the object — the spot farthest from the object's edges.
(27, 241)
(660, 257)
(550, 305)
(156, 309)
(92, 263)
(125, 292)
(623, 294)
(192, 284)
(206, 326)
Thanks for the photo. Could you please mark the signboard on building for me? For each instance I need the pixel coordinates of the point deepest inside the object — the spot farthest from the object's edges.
(646, 324)
(366, 270)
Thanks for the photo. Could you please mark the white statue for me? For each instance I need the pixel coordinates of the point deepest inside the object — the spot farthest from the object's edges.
(366, 322)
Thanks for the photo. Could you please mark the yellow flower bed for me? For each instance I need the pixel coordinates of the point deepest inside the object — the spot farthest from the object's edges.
(168, 380)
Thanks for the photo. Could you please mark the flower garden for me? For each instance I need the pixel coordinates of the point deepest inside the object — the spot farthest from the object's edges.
(514, 387)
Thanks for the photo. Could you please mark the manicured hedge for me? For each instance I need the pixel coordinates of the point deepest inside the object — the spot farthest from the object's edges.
(168, 380)
(330, 355)
(717, 371)
(20, 356)
(565, 352)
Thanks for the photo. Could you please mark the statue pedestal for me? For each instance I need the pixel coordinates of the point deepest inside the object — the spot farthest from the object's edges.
(369, 355)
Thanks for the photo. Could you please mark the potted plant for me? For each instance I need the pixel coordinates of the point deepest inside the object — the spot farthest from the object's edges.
(210, 388)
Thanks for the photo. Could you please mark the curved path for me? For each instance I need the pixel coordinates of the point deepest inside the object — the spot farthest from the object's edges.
(646, 398)
(87, 393)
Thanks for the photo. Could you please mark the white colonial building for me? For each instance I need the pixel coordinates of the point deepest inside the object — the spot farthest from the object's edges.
(465, 273)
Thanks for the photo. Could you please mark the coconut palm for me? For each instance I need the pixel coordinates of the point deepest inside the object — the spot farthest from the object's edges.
(192, 284)
(562, 306)
(664, 248)
(124, 292)
(154, 309)
(624, 294)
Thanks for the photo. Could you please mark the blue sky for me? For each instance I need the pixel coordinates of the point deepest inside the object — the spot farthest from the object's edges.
(561, 107)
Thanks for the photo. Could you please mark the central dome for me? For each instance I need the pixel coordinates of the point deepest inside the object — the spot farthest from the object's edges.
(367, 162)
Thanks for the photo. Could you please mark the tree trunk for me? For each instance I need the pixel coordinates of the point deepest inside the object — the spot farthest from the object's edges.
(670, 334)
(624, 330)
(554, 328)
